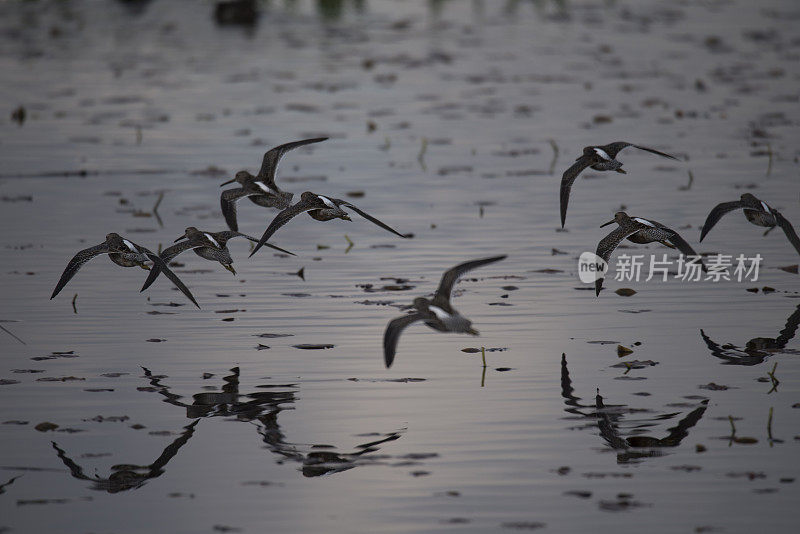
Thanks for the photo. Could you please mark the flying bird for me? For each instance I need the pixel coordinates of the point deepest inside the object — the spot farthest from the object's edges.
(208, 245)
(437, 313)
(321, 208)
(599, 158)
(757, 212)
(261, 188)
(124, 253)
(639, 230)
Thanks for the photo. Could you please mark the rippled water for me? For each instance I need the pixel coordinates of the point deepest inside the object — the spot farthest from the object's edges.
(455, 120)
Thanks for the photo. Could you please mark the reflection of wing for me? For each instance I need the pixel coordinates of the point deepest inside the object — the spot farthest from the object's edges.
(77, 262)
(281, 219)
(717, 213)
(227, 202)
(683, 246)
(172, 449)
(158, 263)
(451, 275)
(368, 217)
(681, 430)
(269, 165)
(392, 335)
(610, 242)
(567, 179)
(789, 330)
(788, 229)
(652, 151)
(166, 255)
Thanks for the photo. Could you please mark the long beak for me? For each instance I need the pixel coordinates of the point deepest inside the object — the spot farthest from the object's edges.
(473, 331)
(612, 221)
(230, 268)
(228, 182)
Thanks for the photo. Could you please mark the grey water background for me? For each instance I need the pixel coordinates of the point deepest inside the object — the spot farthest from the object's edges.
(444, 114)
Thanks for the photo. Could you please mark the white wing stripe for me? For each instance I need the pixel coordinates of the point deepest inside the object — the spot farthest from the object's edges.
(327, 201)
(602, 153)
(644, 221)
(211, 238)
(440, 313)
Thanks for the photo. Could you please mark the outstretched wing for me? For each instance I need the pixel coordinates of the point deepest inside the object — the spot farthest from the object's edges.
(610, 242)
(77, 262)
(269, 165)
(450, 276)
(368, 217)
(717, 213)
(567, 179)
(683, 246)
(159, 264)
(652, 151)
(392, 335)
(227, 202)
(166, 255)
(788, 229)
(281, 219)
(225, 236)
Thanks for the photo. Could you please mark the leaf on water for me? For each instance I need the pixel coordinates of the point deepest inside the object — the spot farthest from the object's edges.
(623, 351)
(45, 426)
(625, 292)
(314, 346)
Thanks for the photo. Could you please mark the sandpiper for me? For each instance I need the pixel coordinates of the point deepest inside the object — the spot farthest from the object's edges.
(599, 158)
(640, 230)
(122, 252)
(321, 208)
(757, 212)
(437, 313)
(208, 245)
(261, 188)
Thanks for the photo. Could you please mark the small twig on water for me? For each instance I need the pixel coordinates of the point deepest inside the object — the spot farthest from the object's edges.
(769, 426)
(350, 244)
(155, 209)
(774, 379)
(769, 159)
(689, 185)
(483, 374)
(74, 308)
(733, 431)
(421, 156)
(554, 146)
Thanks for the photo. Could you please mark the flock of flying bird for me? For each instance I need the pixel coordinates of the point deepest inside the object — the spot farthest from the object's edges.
(437, 313)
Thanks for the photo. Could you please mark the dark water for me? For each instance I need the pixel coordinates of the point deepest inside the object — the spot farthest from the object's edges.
(445, 115)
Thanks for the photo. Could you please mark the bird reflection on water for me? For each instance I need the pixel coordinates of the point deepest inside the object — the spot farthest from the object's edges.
(609, 419)
(262, 409)
(757, 349)
(126, 477)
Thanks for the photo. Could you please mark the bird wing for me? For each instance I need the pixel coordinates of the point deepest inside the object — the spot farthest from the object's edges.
(166, 255)
(77, 262)
(282, 218)
(651, 150)
(368, 217)
(225, 236)
(269, 165)
(610, 242)
(227, 202)
(683, 246)
(788, 229)
(717, 213)
(159, 264)
(567, 179)
(451, 275)
(392, 335)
